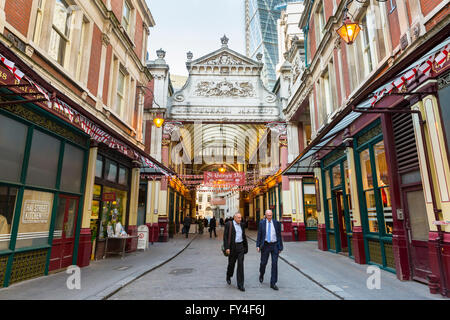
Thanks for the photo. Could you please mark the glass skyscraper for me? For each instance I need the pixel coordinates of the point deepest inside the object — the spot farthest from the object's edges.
(261, 34)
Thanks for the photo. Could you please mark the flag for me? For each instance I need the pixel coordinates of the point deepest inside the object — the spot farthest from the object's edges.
(18, 74)
(426, 66)
(7, 63)
(399, 82)
(390, 87)
(410, 74)
(442, 56)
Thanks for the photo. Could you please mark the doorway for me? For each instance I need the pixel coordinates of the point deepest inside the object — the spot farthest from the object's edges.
(418, 230)
(341, 220)
(64, 234)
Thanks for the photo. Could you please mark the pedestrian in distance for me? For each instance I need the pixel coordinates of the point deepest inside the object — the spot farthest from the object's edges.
(221, 222)
(212, 227)
(201, 225)
(187, 224)
(269, 241)
(236, 245)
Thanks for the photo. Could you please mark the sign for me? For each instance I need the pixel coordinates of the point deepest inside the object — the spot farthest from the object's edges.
(440, 223)
(142, 237)
(218, 201)
(109, 196)
(226, 178)
(36, 211)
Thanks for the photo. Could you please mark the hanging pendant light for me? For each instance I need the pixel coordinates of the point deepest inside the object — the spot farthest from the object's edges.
(158, 122)
(349, 30)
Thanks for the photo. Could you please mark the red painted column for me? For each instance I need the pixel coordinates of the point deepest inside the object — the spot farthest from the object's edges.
(322, 237)
(163, 223)
(301, 229)
(132, 243)
(435, 280)
(84, 248)
(358, 245)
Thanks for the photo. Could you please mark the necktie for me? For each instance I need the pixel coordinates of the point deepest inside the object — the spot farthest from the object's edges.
(268, 238)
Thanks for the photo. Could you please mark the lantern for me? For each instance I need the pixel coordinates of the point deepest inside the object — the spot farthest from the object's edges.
(348, 31)
(222, 169)
(158, 122)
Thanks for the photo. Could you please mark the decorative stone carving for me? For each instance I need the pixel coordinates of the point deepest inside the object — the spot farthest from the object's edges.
(179, 98)
(189, 55)
(161, 53)
(105, 39)
(224, 59)
(259, 57)
(224, 89)
(271, 98)
(224, 40)
(297, 68)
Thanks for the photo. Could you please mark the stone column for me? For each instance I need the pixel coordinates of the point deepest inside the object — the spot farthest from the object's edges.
(134, 197)
(321, 228)
(85, 246)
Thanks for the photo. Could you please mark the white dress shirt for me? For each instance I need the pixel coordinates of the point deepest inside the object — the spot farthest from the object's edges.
(273, 234)
(238, 229)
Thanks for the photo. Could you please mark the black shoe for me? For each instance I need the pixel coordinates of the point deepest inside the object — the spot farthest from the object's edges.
(261, 278)
(228, 280)
(274, 286)
(241, 288)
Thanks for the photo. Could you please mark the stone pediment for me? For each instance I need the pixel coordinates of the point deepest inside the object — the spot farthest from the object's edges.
(225, 57)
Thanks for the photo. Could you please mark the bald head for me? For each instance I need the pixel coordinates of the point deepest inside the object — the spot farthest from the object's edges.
(269, 215)
(237, 217)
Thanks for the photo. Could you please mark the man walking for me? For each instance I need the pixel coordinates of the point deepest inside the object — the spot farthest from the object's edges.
(212, 227)
(187, 224)
(269, 242)
(235, 244)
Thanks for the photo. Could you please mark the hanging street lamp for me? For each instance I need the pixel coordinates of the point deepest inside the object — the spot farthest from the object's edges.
(222, 169)
(158, 121)
(349, 30)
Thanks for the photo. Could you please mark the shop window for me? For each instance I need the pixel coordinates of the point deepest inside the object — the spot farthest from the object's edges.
(110, 170)
(43, 163)
(72, 169)
(59, 37)
(310, 203)
(383, 185)
(99, 167)
(123, 175)
(336, 175)
(113, 211)
(59, 222)
(8, 197)
(444, 101)
(13, 137)
(329, 199)
(369, 193)
(35, 218)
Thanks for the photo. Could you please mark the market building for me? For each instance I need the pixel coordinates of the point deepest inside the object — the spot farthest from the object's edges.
(379, 129)
(71, 135)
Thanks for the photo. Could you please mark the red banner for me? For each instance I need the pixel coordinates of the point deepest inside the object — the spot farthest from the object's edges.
(227, 178)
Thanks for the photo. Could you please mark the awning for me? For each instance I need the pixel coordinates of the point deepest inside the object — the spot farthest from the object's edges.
(303, 164)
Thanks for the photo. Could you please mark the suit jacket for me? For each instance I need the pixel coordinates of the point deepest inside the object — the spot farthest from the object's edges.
(262, 234)
(232, 245)
(212, 223)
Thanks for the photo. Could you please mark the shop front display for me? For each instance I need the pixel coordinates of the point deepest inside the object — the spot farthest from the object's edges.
(310, 208)
(375, 196)
(110, 202)
(43, 165)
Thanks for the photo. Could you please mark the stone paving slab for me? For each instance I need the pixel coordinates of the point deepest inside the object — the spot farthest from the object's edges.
(101, 278)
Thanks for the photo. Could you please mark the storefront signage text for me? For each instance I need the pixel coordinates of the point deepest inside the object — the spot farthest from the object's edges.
(36, 211)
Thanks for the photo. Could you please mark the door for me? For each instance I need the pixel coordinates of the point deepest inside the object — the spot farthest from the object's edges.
(64, 233)
(341, 220)
(418, 230)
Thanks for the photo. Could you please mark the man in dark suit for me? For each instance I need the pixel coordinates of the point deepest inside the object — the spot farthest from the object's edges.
(269, 241)
(236, 246)
(187, 224)
(212, 227)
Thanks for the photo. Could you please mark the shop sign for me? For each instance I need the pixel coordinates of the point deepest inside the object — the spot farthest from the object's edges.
(440, 223)
(36, 211)
(142, 237)
(228, 178)
(109, 196)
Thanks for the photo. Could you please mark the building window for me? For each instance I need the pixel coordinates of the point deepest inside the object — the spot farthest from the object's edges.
(310, 205)
(38, 22)
(8, 197)
(320, 23)
(59, 37)
(82, 49)
(120, 98)
(329, 200)
(126, 16)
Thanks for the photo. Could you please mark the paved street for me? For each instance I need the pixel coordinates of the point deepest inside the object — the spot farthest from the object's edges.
(194, 269)
(199, 273)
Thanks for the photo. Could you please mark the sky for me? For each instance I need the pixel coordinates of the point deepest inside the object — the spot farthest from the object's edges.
(196, 26)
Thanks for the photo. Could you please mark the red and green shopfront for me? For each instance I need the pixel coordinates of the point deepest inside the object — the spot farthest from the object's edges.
(44, 156)
(381, 196)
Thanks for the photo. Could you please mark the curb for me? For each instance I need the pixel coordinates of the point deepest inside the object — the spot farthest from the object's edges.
(112, 290)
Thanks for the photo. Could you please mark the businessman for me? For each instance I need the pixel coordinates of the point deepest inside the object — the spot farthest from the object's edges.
(269, 242)
(236, 245)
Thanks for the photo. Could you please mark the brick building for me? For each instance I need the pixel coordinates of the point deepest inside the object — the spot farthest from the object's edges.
(71, 134)
(379, 149)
